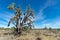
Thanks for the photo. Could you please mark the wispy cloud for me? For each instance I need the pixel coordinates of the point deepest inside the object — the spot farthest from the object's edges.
(55, 23)
(48, 3)
(5, 18)
(40, 16)
(6, 15)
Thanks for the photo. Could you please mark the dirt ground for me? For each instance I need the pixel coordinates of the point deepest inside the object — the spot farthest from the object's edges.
(33, 35)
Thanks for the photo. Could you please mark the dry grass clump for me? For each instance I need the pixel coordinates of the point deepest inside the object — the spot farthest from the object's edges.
(37, 33)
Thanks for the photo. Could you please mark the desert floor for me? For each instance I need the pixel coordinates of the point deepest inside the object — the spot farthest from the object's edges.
(32, 35)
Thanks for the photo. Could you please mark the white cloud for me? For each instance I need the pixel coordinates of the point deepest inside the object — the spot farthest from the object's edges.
(41, 16)
(5, 16)
(55, 23)
(48, 3)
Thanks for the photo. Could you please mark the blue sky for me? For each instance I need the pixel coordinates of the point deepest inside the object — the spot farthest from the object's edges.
(47, 12)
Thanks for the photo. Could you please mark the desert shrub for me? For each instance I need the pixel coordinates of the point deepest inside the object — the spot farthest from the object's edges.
(38, 38)
(50, 28)
(45, 28)
(25, 28)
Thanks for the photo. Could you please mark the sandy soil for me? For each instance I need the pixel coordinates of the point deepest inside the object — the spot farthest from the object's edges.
(33, 35)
